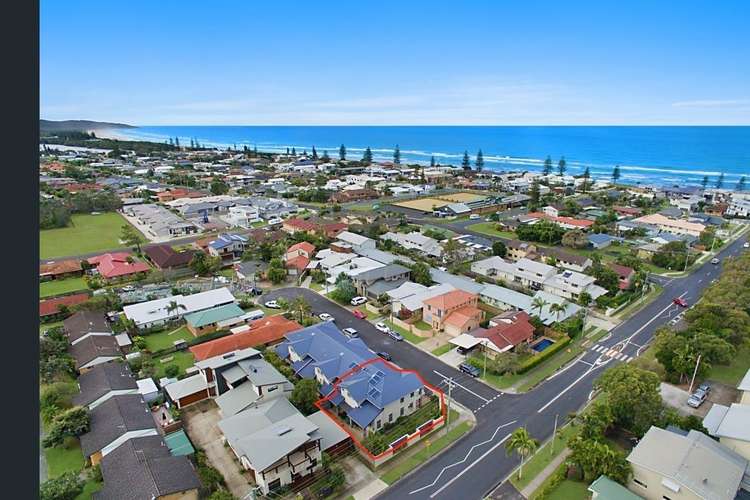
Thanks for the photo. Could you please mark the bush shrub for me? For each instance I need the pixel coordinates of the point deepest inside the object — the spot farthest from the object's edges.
(66, 486)
(533, 361)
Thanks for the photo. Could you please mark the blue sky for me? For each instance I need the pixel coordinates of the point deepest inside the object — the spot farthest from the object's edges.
(396, 62)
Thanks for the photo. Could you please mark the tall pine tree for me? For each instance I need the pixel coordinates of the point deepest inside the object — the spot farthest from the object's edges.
(704, 182)
(342, 152)
(547, 169)
(562, 166)
(741, 184)
(720, 181)
(616, 174)
(325, 156)
(466, 162)
(314, 154)
(479, 162)
(586, 175)
(367, 156)
(432, 161)
(397, 156)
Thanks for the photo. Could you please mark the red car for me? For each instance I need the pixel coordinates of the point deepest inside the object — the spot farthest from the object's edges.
(359, 314)
(680, 302)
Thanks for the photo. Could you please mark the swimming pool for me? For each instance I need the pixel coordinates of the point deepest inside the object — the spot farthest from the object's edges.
(542, 345)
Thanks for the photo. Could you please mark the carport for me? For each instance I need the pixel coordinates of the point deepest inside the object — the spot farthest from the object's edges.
(466, 342)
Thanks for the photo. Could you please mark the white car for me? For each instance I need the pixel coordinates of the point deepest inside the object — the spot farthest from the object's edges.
(382, 327)
(272, 304)
(475, 216)
(351, 333)
(746, 245)
(325, 317)
(358, 301)
(274, 221)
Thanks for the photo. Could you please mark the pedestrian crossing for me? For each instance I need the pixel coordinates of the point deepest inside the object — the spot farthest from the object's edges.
(612, 353)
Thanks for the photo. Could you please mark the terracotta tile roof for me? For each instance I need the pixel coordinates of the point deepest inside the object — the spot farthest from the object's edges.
(305, 246)
(60, 267)
(562, 220)
(622, 271)
(299, 263)
(461, 316)
(300, 224)
(628, 210)
(506, 335)
(450, 299)
(112, 265)
(262, 331)
(51, 306)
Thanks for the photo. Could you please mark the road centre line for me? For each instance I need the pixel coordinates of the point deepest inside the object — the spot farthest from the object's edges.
(467, 456)
(462, 387)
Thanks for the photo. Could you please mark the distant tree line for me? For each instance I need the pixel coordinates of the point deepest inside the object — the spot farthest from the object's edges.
(56, 212)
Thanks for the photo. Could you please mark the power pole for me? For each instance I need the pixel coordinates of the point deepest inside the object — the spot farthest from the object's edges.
(695, 372)
(554, 436)
(448, 414)
(484, 344)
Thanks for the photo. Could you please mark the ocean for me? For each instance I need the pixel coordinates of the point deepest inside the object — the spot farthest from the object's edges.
(646, 155)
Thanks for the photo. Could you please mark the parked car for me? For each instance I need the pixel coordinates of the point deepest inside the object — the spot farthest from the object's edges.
(255, 291)
(382, 327)
(469, 369)
(680, 302)
(746, 245)
(697, 398)
(358, 301)
(705, 387)
(384, 355)
(475, 216)
(272, 304)
(359, 314)
(395, 336)
(714, 261)
(325, 317)
(274, 221)
(351, 333)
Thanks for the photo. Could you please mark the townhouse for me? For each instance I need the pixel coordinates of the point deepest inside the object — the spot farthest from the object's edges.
(367, 396)
(297, 257)
(103, 382)
(454, 312)
(670, 225)
(228, 246)
(376, 281)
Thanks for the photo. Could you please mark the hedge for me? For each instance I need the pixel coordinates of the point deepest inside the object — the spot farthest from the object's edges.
(538, 358)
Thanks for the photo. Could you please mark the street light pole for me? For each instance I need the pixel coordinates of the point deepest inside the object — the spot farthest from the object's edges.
(695, 372)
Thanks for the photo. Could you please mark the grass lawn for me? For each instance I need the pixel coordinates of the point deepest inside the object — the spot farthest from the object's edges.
(410, 463)
(422, 325)
(550, 366)
(183, 360)
(64, 458)
(414, 339)
(488, 228)
(316, 286)
(638, 304)
(86, 233)
(543, 457)
(732, 373)
(162, 340)
(569, 489)
(442, 349)
(43, 327)
(89, 489)
(59, 287)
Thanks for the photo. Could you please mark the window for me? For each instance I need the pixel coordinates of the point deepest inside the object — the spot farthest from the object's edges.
(271, 389)
(379, 424)
(402, 399)
(390, 417)
(412, 394)
(402, 412)
(411, 405)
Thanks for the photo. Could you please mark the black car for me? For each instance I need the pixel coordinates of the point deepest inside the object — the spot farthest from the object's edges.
(255, 291)
(470, 369)
(384, 355)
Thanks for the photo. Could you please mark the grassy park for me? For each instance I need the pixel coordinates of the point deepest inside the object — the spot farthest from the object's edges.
(86, 234)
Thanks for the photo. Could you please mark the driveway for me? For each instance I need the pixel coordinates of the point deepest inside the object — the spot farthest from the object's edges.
(452, 358)
(677, 397)
(201, 421)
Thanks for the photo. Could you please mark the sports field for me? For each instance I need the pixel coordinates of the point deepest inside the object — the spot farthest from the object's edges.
(434, 202)
(86, 234)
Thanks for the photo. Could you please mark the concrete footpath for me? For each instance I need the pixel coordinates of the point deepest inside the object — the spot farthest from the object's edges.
(540, 478)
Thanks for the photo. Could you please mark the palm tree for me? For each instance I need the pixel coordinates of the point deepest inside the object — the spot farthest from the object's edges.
(557, 310)
(174, 306)
(538, 303)
(522, 443)
(300, 306)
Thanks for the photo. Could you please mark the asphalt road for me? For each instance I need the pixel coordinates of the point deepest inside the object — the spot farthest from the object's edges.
(475, 465)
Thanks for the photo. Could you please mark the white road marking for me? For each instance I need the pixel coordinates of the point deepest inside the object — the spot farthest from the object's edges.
(540, 410)
(462, 387)
(466, 457)
(455, 478)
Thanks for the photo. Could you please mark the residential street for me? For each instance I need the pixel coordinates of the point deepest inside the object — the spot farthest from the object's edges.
(478, 463)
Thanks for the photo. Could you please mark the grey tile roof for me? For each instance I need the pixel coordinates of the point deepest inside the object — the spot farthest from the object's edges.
(90, 348)
(144, 468)
(102, 379)
(113, 418)
(85, 322)
(384, 272)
